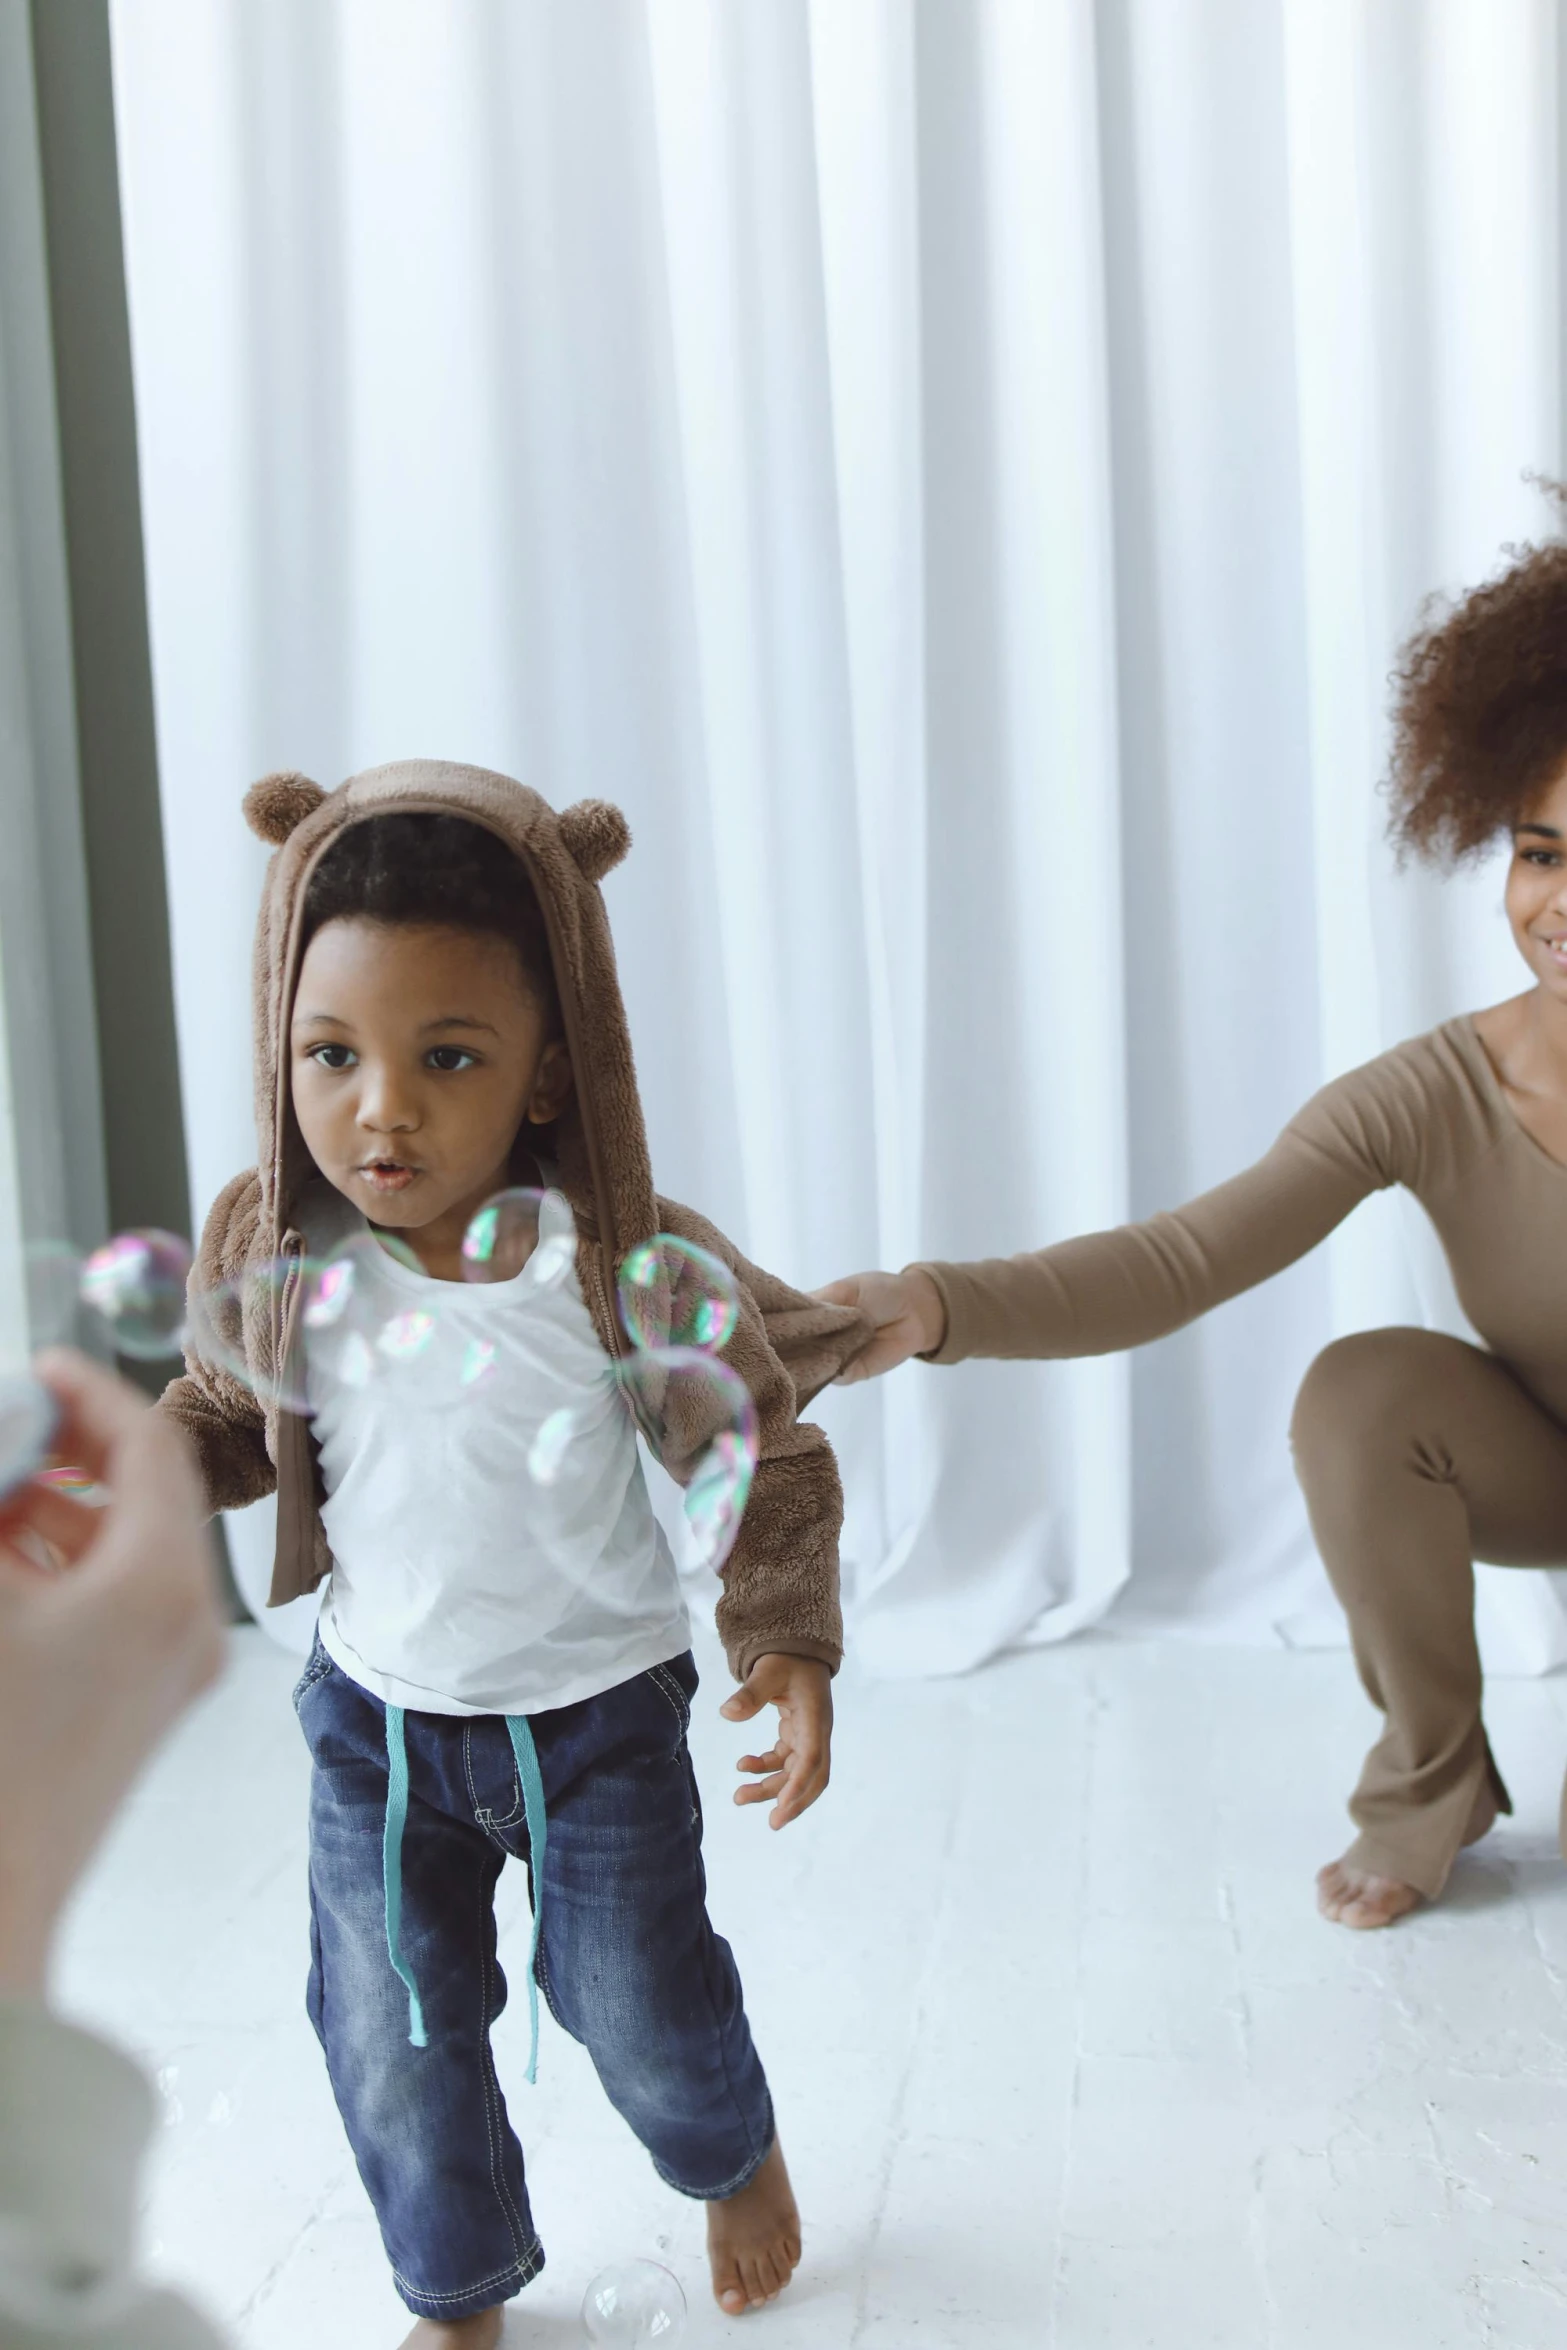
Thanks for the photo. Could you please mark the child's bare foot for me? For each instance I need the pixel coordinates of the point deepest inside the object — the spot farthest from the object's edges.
(481, 2332)
(1354, 1897)
(753, 2239)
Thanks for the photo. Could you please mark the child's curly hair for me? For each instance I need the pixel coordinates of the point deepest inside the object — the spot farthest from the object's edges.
(436, 871)
(1480, 707)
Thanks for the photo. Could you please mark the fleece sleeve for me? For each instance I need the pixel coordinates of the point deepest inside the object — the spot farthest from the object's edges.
(216, 1412)
(75, 2119)
(780, 1592)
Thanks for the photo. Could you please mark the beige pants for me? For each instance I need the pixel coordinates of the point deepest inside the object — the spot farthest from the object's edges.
(1418, 1455)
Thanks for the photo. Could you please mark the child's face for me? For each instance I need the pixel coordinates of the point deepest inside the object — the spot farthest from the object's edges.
(416, 1054)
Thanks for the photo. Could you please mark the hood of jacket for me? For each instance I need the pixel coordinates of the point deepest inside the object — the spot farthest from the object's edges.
(781, 1578)
(600, 1138)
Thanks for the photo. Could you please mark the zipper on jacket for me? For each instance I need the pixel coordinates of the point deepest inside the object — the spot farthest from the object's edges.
(293, 1249)
(611, 1320)
(293, 1572)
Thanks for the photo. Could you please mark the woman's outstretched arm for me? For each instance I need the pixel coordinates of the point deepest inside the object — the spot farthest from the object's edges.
(1108, 1290)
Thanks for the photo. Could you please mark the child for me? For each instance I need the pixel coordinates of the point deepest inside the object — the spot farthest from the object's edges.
(500, 1671)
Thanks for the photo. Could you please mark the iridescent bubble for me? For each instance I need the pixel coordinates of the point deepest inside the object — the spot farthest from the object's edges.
(716, 1496)
(673, 1293)
(331, 1296)
(78, 1483)
(336, 1310)
(136, 1284)
(547, 1453)
(478, 1361)
(29, 1417)
(635, 2302)
(407, 1334)
(239, 1325)
(520, 1229)
(698, 1417)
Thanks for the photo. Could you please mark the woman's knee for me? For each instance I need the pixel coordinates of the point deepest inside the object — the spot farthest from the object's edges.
(1364, 1395)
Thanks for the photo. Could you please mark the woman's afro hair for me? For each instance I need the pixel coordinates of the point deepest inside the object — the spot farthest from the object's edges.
(1480, 707)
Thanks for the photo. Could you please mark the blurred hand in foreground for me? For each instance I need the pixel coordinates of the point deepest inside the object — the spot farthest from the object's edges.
(99, 1657)
(907, 1311)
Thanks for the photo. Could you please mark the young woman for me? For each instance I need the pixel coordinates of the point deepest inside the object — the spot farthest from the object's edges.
(1418, 1453)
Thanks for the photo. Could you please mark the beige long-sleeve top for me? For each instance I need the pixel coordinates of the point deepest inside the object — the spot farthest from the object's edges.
(1430, 1115)
(75, 2118)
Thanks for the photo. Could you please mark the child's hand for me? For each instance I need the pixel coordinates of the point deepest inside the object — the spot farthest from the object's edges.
(799, 1762)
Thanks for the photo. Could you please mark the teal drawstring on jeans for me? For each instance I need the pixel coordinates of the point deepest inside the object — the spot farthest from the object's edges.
(531, 1782)
(532, 1785)
(392, 1865)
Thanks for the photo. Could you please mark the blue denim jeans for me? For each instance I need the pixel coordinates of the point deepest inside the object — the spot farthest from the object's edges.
(628, 1963)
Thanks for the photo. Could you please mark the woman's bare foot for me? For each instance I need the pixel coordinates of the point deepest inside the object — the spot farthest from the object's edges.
(1354, 1897)
(753, 2239)
(481, 2332)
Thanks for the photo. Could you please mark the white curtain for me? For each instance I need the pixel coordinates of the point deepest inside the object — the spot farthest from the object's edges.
(957, 472)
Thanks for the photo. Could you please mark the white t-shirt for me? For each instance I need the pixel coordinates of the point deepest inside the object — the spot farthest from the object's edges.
(460, 1583)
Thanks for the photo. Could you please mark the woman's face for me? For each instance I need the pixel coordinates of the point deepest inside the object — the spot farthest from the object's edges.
(1537, 888)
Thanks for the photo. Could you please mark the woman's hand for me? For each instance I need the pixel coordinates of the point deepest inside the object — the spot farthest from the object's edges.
(98, 1658)
(908, 1313)
(796, 1767)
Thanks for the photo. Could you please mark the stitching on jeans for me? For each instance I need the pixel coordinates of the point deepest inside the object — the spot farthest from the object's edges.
(483, 1816)
(524, 2268)
(542, 1978)
(317, 1669)
(664, 1682)
(492, 2087)
(495, 1827)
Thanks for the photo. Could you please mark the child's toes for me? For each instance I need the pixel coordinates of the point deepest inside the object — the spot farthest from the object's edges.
(756, 2271)
(728, 2290)
(773, 2270)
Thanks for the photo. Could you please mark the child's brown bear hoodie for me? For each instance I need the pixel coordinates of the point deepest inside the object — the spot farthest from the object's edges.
(781, 1579)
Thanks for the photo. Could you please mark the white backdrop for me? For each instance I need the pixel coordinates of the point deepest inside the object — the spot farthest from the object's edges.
(957, 471)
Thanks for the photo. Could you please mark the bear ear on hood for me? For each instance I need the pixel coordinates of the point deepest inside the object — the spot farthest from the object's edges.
(275, 805)
(597, 835)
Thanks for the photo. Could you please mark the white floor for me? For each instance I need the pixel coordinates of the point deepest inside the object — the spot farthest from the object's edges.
(1062, 2053)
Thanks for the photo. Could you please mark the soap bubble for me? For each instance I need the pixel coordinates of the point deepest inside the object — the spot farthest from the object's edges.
(135, 1284)
(79, 1484)
(517, 1229)
(407, 1334)
(547, 1453)
(673, 1293)
(331, 1306)
(700, 1422)
(236, 1325)
(29, 1417)
(716, 1496)
(636, 2301)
